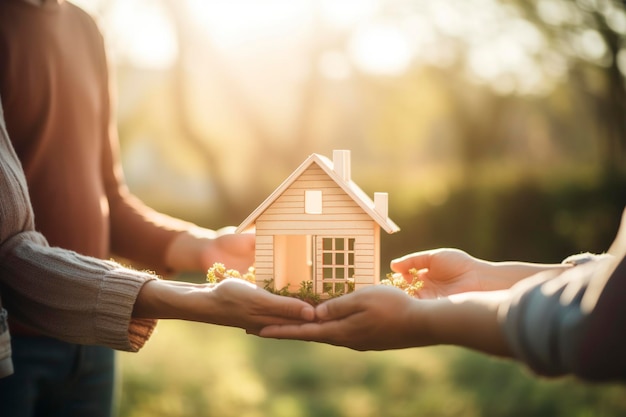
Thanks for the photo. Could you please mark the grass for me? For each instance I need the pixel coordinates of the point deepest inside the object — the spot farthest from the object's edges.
(191, 369)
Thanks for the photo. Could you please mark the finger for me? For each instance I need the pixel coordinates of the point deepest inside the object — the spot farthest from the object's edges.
(226, 230)
(338, 308)
(417, 260)
(263, 304)
(287, 308)
(308, 331)
(265, 322)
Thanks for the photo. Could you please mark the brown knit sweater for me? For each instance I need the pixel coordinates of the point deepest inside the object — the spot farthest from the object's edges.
(58, 292)
(59, 113)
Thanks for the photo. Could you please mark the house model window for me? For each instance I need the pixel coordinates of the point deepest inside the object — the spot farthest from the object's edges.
(313, 201)
(337, 264)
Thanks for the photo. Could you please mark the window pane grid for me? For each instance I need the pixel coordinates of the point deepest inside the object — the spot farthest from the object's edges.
(337, 265)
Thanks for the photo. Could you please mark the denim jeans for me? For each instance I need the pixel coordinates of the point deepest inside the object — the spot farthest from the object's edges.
(54, 379)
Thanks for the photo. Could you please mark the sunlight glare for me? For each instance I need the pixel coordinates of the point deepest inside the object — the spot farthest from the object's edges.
(380, 49)
(142, 33)
(90, 6)
(506, 57)
(446, 18)
(345, 14)
(553, 12)
(239, 23)
(334, 65)
(616, 20)
(590, 45)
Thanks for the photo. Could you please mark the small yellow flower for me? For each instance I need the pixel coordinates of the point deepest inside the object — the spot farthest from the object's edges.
(218, 272)
(398, 281)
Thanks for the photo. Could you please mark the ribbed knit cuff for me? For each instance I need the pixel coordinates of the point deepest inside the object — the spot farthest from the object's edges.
(115, 304)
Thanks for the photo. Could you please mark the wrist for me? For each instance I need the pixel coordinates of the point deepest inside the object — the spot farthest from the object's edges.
(469, 320)
(503, 275)
(188, 248)
(161, 299)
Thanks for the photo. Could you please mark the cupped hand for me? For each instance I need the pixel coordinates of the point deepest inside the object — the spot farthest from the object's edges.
(372, 318)
(443, 271)
(238, 303)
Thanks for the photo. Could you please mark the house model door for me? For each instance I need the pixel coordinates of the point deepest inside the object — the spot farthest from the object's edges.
(292, 261)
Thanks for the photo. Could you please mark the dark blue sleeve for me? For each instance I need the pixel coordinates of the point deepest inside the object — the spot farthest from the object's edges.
(574, 323)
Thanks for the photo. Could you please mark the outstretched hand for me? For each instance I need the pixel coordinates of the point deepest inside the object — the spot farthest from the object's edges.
(233, 302)
(238, 303)
(383, 317)
(443, 272)
(372, 318)
(197, 249)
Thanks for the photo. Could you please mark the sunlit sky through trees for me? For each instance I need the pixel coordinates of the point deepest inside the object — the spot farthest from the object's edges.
(411, 86)
(384, 37)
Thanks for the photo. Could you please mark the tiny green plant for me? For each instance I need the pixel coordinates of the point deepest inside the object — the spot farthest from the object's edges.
(305, 291)
(218, 272)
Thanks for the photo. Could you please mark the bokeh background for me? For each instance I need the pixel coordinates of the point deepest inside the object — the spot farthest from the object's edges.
(496, 126)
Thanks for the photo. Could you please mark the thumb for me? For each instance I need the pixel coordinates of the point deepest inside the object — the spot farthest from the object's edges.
(336, 308)
(417, 260)
(290, 307)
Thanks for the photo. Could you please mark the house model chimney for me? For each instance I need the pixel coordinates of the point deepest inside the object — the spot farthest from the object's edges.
(341, 164)
(381, 204)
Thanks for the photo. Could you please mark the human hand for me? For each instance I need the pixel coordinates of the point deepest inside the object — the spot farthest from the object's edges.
(238, 303)
(382, 317)
(232, 302)
(197, 249)
(443, 271)
(234, 251)
(372, 318)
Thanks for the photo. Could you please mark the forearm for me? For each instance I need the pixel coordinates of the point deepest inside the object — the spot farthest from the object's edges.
(232, 302)
(141, 234)
(469, 320)
(185, 252)
(164, 299)
(503, 275)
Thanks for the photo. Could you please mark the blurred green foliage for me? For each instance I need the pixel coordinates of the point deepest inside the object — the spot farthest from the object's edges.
(535, 221)
(190, 369)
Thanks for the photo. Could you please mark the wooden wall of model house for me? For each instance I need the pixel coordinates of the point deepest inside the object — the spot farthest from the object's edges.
(340, 216)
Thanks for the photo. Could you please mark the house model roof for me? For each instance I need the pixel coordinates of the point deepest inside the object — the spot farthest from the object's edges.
(349, 186)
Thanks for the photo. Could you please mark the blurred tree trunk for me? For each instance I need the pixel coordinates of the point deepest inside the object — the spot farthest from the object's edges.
(181, 106)
(612, 108)
(282, 151)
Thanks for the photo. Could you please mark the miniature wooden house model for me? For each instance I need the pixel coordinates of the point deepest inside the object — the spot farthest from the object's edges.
(319, 226)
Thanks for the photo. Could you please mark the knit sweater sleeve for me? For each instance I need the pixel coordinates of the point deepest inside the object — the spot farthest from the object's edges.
(571, 324)
(58, 292)
(72, 297)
